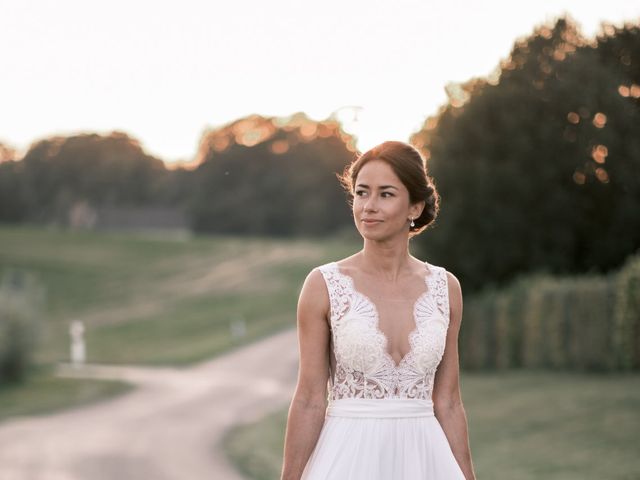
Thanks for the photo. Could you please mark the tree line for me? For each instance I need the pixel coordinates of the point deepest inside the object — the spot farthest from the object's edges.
(254, 176)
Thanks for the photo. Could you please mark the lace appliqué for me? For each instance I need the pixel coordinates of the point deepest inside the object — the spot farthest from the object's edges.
(364, 368)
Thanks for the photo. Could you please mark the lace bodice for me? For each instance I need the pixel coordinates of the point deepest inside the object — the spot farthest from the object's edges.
(364, 368)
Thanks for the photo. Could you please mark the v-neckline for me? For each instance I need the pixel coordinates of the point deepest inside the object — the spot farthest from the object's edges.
(414, 330)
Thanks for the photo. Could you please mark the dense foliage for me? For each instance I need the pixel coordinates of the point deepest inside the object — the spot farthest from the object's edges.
(257, 177)
(586, 322)
(59, 172)
(539, 164)
(21, 306)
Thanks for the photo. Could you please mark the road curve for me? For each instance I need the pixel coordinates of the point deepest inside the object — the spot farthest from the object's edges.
(169, 428)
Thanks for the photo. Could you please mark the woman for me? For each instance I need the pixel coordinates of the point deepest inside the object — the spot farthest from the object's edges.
(374, 327)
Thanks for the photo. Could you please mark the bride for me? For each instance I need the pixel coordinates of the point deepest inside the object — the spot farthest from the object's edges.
(378, 393)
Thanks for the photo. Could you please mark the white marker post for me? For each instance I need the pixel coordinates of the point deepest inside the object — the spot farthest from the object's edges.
(78, 350)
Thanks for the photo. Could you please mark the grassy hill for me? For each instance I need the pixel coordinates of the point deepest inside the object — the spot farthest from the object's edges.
(161, 301)
(154, 300)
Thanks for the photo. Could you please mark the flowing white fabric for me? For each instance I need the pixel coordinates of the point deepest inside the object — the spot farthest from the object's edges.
(379, 423)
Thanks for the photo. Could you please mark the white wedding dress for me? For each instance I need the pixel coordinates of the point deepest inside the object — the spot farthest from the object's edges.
(379, 423)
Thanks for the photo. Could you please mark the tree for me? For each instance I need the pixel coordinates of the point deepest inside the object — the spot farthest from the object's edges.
(12, 202)
(272, 176)
(102, 170)
(535, 163)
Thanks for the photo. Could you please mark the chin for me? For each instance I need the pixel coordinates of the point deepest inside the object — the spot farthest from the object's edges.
(375, 236)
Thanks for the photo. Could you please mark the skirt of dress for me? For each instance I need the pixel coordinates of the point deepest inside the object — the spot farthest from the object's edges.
(382, 439)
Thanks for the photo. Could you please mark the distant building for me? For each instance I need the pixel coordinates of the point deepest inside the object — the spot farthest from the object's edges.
(131, 219)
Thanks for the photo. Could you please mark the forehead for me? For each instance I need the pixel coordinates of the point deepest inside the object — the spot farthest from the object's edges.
(377, 172)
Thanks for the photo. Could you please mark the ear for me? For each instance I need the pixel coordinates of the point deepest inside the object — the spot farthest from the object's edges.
(416, 209)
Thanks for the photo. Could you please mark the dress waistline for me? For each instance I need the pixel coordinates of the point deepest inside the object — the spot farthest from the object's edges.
(380, 408)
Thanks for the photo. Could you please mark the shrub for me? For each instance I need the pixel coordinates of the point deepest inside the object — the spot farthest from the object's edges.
(21, 301)
(626, 337)
(586, 322)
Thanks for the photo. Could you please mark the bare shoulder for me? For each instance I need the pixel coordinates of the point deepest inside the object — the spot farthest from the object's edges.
(455, 297)
(314, 296)
(315, 282)
(453, 284)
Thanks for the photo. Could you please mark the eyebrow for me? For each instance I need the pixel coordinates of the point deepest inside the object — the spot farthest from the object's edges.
(381, 186)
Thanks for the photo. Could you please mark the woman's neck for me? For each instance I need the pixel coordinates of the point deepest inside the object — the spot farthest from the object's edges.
(388, 259)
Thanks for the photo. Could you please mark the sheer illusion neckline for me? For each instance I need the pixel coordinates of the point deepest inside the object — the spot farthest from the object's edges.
(374, 308)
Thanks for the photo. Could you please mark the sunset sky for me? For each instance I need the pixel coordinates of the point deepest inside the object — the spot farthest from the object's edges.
(163, 71)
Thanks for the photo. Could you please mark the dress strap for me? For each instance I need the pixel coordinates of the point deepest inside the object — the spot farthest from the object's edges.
(339, 290)
(440, 287)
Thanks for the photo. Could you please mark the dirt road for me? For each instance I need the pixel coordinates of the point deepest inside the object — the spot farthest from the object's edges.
(169, 428)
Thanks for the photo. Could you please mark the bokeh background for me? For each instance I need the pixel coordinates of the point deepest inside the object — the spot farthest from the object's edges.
(167, 180)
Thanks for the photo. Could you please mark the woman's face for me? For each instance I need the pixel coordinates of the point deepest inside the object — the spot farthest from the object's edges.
(381, 206)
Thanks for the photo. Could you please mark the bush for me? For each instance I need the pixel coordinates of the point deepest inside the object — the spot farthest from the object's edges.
(21, 301)
(587, 322)
(626, 338)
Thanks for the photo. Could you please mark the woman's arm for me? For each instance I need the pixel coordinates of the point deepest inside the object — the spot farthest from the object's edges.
(309, 403)
(447, 400)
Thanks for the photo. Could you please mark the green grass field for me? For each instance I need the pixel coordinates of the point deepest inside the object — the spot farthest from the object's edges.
(523, 425)
(156, 300)
(146, 300)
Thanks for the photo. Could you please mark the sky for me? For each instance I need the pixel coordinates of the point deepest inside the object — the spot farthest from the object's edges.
(164, 71)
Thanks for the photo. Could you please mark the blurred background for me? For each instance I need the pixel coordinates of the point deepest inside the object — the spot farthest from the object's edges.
(168, 179)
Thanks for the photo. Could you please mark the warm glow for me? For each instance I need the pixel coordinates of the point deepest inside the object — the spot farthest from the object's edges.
(629, 91)
(432, 123)
(252, 131)
(458, 96)
(325, 131)
(599, 120)
(579, 177)
(220, 144)
(623, 90)
(573, 117)
(279, 147)
(309, 130)
(174, 70)
(602, 175)
(599, 153)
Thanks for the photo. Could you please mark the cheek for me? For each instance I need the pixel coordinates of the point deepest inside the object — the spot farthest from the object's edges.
(395, 206)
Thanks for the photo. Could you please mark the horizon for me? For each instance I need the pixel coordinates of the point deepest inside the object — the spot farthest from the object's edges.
(153, 81)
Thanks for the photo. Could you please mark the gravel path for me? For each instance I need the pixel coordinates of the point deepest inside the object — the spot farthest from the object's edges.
(169, 428)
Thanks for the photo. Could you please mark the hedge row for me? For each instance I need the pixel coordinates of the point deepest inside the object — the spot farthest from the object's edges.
(21, 302)
(574, 323)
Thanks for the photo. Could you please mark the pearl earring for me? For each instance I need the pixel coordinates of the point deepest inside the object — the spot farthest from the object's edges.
(412, 223)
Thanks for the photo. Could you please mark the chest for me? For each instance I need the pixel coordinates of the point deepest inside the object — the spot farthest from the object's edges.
(391, 337)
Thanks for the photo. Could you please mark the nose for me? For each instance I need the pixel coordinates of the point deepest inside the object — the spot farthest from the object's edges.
(371, 204)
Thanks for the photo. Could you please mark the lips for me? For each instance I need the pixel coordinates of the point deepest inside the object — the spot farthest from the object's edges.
(370, 221)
